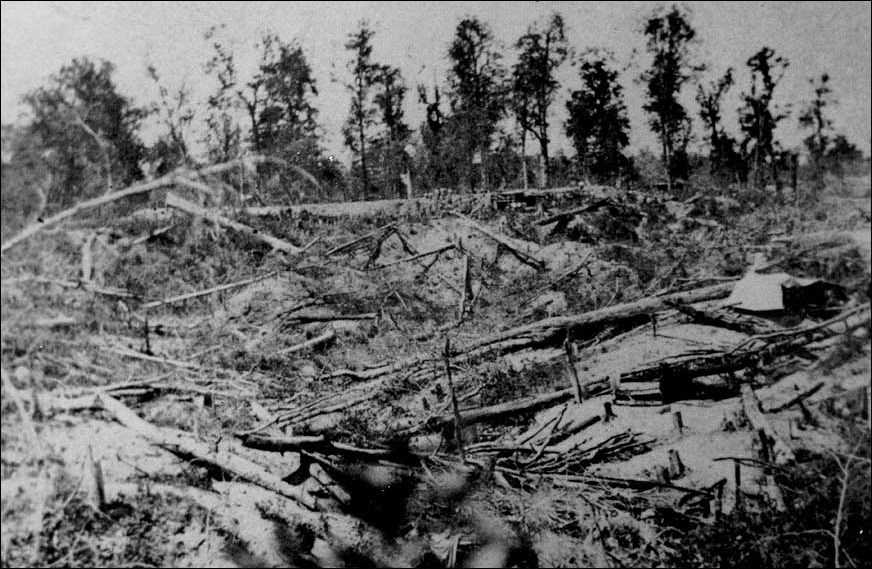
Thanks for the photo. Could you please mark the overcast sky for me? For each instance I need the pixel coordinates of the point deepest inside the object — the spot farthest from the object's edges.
(38, 38)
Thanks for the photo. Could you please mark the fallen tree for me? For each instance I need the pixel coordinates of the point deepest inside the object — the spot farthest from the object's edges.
(174, 201)
(175, 177)
(675, 375)
(552, 330)
(183, 444)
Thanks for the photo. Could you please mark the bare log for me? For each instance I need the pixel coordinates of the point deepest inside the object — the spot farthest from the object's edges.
(168, 361)
(723, 318)
(301, 318)
(85, 205)
(88, 286)
(328, 335)
(574, 211)
(548, 330)
(674, 375)
(507, 243)
(559, 280)
(174, 201)
(781, 453)
(355, 243)
(499, 411)
(219, 288)
(416, 257)
(151, 235)
(181, 443)
(802, 395)
(551, 330)
(87, 257)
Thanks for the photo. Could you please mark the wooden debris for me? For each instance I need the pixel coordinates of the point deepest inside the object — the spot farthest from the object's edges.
(781, 452)
(323, 338)
(183, 444)
(564, 215)
(676, 466)
(324, 445)
(355, 244)
(466, 299)
(87, 258)
(26, 418)
(88, 286)
(150, 358)
(437, 252)
(198, 294)
(85, 205)
(675, 374)
(507, 243)
(802, 395)
(458, 422)
(573, 370)
(174, 201)
(303, 318)
(559, 280)
(151, 235)
(678, 422)
(499, 411)
(59, 321)
(550, 330)
(728, 319)
(97, 486)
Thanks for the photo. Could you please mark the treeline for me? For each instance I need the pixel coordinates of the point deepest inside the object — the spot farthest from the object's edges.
(84, 137)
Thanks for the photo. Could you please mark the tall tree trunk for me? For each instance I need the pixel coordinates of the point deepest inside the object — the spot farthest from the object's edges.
(483, 170)
(543, 163)
(667, 162)
(524, 157)
(364, 173)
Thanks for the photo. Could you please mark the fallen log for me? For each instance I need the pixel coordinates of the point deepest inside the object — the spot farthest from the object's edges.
(503, 410)
(781, 453)
(183, 444)
(553, 329)
(675, 375)
(507, 243)
(723, 318)
(328, 335)
(574, 211)
(320, 444)
(549, 331)
(88, 286)
(150, 235)
(559, 280)
(416, 257)
(198, 294)
(167, 361)
(85, 205)
(174, 201)
(356, 243)
(802, 395)
(304, 318)
(59, 321)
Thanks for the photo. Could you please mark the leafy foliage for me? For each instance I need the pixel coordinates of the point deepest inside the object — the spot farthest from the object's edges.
(534, 86)
(670, 37)
(476, 93)
(363, 114)
(598, 124)
(759, 117)
(87, 132)
(724, 159)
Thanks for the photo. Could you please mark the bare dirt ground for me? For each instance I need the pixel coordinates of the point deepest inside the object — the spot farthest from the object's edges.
(307, 418)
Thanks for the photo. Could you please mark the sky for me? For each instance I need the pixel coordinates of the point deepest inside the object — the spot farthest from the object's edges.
(833, 37)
